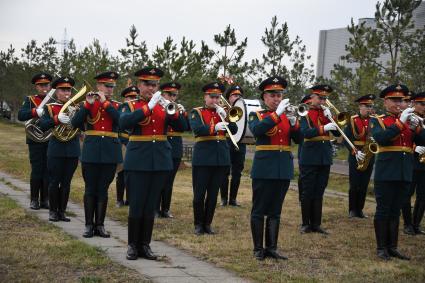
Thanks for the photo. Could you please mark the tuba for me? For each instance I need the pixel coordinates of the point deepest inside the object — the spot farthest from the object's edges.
(32, 128)
(65, 132)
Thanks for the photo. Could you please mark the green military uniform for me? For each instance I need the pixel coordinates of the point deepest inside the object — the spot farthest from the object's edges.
(131, 92)
(306, 99)
(237, 162)
(100, 155)
(315, 163)
(62, 157)
(412, 222)
(147, 163)
(357, 131)
(393, 172)
(272, 170)
(210, 160)
(176, 141)
(37, 150)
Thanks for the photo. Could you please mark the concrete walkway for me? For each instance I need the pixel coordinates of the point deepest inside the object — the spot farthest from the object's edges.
(178, 267)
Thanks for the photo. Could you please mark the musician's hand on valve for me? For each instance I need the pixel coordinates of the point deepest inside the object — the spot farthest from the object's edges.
(327, 112)
(40, 112)
(181, 108)
(292, 120)
(420, 149)
(63, 118)
(406, 114)
(282, 106)
(329, 127)
(156, 97)
(360, 156)
(220, 126)
(413, 122)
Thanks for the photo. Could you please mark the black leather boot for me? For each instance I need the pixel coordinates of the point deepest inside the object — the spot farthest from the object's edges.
(352, 203)
(209, 215)
(224, 191)
(361, 199)
(234, 187)
(317, 217)
(100, 218)
(305, 214)
(44, 194)
(257, 230)
(272, 235)
(63, 203)
(120, 186)
(34, 191)
(145, 239)
(418, 214)
(381, 234)
(134, 226)
(393, 240)
(53, 203)
(89, 207)
(407, 219)
(198, 215)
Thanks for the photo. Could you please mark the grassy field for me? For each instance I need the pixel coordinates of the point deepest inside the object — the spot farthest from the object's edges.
(49, 255)
(347, 254)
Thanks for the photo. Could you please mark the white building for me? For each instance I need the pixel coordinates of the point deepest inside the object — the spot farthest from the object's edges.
(332, 43)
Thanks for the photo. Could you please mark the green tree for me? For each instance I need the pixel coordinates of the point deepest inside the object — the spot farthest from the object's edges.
(134, 56)
(283, 57)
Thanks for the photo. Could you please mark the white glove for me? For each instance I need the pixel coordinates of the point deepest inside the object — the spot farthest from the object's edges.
(154, 100)
(292, 120)
(406, 114)
(90, 98)
(329, 127)
(360, 156)
(102, 97)
(420, 149)
(63, 118)
(40, 112)
(181, 108)
(282, 106)
(328, 114)
(220, 126)
(220, 111)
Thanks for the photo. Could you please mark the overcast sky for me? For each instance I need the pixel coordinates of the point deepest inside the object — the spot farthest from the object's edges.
(109, 21)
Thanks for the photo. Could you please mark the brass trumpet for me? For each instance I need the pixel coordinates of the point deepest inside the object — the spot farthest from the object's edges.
(342, 118)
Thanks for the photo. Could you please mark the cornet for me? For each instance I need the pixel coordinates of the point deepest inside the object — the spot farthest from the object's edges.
(170, 107)
(300, 110)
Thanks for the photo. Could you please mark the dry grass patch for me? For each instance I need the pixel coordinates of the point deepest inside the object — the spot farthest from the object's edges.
(34, 251)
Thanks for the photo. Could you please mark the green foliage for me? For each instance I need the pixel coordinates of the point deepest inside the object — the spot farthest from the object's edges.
(377, 56)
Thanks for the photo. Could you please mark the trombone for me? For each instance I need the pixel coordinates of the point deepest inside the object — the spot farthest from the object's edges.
(234, 113)
(341, 131)
(232, 138)
(342, 118)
